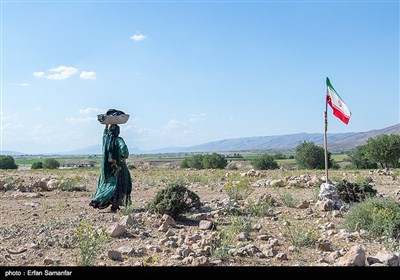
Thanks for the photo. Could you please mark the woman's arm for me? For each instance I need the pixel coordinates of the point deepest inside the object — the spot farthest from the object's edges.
(105, 132)
(123, 148)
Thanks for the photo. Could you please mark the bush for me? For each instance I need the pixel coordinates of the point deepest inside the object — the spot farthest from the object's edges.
(352, 192)
(7, 162)
(51, 163)
(378, 216)
(174, 200)
(37, 165)
(265, 162)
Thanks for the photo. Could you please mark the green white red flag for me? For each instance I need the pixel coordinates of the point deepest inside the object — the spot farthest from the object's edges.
(334, 100)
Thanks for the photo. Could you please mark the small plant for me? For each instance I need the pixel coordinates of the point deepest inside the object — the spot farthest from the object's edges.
(68, 185)
(174, 200)
(261, 207)
(127, 209)
(288, 200)
(222, 244)
(149, 261)
(90, 242)
(240, 224)
(238, 190)
(300, 233)
(232, 166)
(224, 240)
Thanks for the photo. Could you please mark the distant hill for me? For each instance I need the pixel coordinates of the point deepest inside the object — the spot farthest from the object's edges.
(12, 153)
(96, 150)
(336, 141)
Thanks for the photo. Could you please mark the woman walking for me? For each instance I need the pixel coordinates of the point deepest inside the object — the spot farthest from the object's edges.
(114, 186)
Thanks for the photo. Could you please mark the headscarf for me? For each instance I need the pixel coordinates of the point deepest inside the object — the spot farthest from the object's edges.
(111, 153)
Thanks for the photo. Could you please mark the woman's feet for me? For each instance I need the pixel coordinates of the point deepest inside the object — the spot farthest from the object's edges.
(99, 205)
(114, 208)
(104, 205)
(94, 204)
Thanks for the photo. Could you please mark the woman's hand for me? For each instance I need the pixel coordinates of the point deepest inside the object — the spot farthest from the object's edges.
(107, 126)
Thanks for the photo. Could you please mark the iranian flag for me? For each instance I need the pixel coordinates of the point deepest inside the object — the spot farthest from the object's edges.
(339, 108)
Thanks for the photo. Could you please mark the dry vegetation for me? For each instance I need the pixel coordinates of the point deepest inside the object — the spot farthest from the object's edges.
(58, 227)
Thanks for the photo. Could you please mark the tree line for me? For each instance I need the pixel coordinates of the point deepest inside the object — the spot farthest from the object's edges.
(381, 151)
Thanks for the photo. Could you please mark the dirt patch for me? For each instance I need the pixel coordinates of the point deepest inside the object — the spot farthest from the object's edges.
(41, 228)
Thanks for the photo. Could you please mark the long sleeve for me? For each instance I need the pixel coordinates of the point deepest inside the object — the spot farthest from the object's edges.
(123, 148)
(105, 132)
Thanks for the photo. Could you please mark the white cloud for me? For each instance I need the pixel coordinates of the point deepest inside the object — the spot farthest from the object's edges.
(174, 124)
(80, 120)
(38, 74)
(126, 128)
(24, 85)
(59, 73)
(38, 109)
(197, 117)
(8, 126)
(229, 118)
(62, 73)
(91, 110)
(138, 37)
(88, 75)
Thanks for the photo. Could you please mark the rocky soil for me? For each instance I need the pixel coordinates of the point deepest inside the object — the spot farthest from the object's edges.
(45, 223)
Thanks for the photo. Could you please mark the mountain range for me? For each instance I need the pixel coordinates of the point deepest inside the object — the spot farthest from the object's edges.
(287, 142)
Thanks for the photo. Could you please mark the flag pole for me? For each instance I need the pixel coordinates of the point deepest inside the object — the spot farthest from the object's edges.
(325, 140)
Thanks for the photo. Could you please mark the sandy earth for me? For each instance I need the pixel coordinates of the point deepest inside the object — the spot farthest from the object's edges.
(39, 228)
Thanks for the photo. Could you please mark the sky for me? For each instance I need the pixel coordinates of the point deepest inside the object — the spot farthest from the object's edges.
(192, 72)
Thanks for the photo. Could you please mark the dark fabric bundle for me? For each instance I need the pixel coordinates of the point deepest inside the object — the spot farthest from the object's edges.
(114, 112)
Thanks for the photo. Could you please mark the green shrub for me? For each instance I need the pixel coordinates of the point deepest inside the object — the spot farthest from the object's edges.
(37, 165)
(174, 200)
(7, 162)
(378, 216)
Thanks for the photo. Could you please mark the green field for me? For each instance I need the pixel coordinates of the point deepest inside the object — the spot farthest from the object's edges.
(96, 160)
(61, 159)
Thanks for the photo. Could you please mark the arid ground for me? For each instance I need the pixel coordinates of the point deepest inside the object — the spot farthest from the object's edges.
(44, 223)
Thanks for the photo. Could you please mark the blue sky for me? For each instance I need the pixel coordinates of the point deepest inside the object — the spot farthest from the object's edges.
(191, 72)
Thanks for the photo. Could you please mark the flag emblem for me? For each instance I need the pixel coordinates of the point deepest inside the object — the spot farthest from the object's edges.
(339, 108)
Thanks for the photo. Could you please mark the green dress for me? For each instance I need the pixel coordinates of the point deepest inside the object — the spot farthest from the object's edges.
(115, 184)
